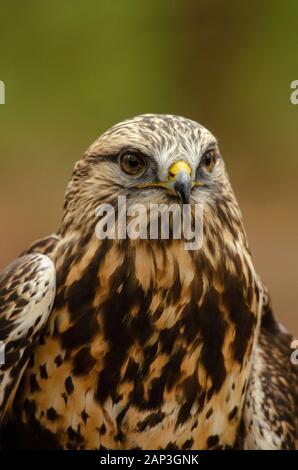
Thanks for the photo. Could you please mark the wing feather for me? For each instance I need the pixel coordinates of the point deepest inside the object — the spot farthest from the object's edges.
(27, 292)
(270, 418)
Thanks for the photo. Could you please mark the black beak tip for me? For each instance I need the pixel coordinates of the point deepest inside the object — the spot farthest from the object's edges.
(182, 189)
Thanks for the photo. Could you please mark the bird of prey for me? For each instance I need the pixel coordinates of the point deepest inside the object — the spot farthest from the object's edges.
(139, 343)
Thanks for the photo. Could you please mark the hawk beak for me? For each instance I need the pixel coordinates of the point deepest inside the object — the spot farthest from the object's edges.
(179, 180)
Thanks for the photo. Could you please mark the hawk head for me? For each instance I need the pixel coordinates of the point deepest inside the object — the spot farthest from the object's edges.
(152, 159)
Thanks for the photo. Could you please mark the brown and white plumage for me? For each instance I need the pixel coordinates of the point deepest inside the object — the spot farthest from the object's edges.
(270, 416)
(27, 292)
(149, 345)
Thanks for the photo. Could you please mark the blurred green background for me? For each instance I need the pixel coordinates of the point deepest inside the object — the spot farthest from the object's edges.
(74, 68)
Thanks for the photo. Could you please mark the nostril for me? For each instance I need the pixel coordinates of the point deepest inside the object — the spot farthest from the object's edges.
(171, 174)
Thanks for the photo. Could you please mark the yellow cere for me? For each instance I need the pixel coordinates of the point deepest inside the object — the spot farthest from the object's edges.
(177, 167)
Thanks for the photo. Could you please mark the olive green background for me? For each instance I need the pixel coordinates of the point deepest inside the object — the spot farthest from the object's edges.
(74, 68)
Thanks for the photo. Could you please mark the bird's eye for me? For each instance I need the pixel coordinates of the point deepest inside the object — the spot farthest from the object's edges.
(132, 163)
(209, 159)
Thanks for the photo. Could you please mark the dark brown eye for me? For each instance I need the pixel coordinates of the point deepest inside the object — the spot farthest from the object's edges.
(209, 159)
(132, 163)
